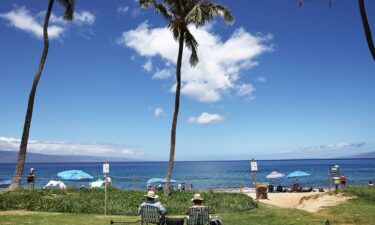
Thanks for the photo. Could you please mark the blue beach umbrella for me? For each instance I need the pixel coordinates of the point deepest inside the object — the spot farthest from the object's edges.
(159, 180)
(75, 175)
(298, 174)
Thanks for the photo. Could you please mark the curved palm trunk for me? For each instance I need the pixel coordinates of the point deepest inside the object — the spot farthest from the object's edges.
(366, 27)
(26, 128)
(175, 114)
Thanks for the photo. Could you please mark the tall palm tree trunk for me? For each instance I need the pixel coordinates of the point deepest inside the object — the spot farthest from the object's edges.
(26, 128)
(175, 114)
(366, 27)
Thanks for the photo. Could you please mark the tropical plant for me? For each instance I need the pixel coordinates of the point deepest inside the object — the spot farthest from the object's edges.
(68, 15)
(179, 14)
(365, 23)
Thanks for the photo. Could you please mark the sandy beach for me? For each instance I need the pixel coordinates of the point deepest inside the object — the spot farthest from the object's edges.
(308, 201)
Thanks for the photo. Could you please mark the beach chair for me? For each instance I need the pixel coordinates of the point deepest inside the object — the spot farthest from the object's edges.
(198, 216)
(150, 214)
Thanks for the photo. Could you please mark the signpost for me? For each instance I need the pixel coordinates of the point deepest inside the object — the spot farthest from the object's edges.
(254, 168)
(106, 172)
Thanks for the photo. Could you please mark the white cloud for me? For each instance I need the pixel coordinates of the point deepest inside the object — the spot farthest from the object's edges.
(261, 79)
(83, 18)
(206, 118)
(22, 19)
(148, 65)
(123, 9)
(136, 12)
(162, 74)
(245, 90)
(66, 148)
(158, 111)
(335, 147)
(221, 62)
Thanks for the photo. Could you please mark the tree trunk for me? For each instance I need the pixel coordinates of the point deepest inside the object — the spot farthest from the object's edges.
(175, 114)
(366, 27)
(16, 182)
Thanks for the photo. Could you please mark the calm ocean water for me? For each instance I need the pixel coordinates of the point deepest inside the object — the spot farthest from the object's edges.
(206, 175)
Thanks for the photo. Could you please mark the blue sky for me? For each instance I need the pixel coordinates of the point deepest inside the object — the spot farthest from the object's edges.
(281, 82)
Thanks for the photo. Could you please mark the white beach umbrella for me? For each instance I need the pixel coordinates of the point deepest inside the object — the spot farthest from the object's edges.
(274, 174)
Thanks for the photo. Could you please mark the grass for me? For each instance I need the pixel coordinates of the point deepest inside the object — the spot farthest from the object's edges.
(359, 211)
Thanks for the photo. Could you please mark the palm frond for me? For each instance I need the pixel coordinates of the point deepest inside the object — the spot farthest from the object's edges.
(300, 2)
(175, 31)
(69, 8)
(205, 12)
(192, 45)
(158, 7)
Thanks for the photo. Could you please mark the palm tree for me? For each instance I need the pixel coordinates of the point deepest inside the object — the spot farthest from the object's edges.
(68, 15)
(179, 14)
(365, 23)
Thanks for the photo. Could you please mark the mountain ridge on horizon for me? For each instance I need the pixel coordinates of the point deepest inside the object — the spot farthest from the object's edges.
(11, 157)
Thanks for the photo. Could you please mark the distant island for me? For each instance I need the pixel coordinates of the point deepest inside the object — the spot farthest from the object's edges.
(11, 157)
(361, 156)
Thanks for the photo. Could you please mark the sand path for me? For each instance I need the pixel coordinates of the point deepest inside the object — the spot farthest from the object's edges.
(308, 201)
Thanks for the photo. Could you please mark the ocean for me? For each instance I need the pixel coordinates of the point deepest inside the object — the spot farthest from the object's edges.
(205, 174)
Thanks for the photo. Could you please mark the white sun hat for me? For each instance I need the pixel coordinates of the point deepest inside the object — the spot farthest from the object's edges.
(151, 194)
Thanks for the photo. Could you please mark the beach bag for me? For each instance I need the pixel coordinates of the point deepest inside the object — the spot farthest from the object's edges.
(216, 222)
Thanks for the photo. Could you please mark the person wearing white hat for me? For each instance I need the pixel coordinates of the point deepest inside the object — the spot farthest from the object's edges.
(151, 200)
(197, 200)
(31, 178)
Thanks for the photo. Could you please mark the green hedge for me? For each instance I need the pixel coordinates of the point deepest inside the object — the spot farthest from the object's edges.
(364, 192)
(121, 202)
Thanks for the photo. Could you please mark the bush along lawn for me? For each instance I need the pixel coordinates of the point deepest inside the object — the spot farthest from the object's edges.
(121, 202)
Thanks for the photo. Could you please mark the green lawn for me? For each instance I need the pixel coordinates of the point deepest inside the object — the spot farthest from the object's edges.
(359, 211)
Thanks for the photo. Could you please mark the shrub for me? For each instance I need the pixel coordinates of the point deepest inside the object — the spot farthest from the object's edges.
(121, 202)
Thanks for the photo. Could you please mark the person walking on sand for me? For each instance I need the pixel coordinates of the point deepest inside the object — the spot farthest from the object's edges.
(343, 181)
(31, 178)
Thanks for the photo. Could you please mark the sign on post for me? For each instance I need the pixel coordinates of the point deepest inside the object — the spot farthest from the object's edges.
(334, 170)
(105, 168)
(254, 165)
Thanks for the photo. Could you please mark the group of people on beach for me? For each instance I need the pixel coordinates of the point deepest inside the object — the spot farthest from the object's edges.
(181, 187)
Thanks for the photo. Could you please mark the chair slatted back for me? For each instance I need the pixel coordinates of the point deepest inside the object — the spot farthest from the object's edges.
(150, 214)
(199, 216)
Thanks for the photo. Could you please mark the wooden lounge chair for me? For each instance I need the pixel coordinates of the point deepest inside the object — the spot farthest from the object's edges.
(198, 216)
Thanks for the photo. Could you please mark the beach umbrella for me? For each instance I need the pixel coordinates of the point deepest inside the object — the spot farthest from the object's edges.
(159, 180)
(274, 175)
(75, 175)
(298, 174)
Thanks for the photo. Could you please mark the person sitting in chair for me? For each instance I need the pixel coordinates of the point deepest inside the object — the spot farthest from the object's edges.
(199, 214)
(151, 201)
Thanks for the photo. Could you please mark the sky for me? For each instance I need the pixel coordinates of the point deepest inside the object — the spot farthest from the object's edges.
(280, 82)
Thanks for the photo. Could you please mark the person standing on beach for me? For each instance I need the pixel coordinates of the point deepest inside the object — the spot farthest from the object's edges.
(31, 178)
(336, 181)
(343, 181)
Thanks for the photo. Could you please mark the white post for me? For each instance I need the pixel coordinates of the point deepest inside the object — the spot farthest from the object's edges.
(254, 168)
(105, 171)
